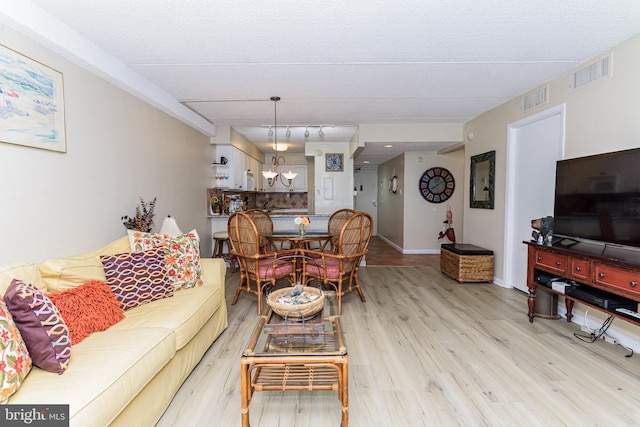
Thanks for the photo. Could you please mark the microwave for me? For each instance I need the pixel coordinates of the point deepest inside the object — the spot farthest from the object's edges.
(248, 182)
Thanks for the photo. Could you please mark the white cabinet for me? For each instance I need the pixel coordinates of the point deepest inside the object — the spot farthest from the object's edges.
(298, 184)
(231, 175)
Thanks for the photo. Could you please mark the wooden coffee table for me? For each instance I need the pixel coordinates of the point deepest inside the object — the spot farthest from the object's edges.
(313, 358)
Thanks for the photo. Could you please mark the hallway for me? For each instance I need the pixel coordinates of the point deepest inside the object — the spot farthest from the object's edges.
(383, 254)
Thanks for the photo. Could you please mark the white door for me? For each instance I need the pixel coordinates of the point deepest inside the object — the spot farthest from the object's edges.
(533, 147)
(365, 182)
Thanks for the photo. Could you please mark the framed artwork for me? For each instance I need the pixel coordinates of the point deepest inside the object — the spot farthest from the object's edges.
(334, 162)
(31, 103)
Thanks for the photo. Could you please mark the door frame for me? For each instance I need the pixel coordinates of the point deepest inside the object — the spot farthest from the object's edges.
(510, 191)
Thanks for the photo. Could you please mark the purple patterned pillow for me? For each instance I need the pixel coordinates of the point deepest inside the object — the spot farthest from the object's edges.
(137, 277)
(41, 326)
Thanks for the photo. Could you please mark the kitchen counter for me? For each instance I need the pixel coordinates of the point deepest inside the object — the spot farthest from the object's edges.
(281, 222)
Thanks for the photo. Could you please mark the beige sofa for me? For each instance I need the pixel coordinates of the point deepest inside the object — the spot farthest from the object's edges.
(128, 374)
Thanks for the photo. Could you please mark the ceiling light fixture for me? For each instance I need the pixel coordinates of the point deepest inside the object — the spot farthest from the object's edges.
(388, 146)
(280, 146)
(288, 134)
(321, 133)
(270, 134)
(278, 162)
(306, 133)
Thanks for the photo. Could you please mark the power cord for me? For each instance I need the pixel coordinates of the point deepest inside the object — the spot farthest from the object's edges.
(596, 334)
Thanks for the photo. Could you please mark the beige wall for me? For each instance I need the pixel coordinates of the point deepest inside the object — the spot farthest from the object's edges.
(600, 117)
(405, 219)
(423, 220)
(118, 149)
(391, 214)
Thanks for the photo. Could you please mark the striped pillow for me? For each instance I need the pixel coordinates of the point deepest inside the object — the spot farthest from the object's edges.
(137, 277)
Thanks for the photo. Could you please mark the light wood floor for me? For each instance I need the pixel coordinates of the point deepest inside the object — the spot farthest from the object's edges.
(425, 350)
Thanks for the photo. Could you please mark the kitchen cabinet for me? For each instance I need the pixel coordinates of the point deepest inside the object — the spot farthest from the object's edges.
(230, 175)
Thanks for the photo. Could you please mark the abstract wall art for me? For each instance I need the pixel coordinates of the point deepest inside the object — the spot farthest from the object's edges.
(31, 103)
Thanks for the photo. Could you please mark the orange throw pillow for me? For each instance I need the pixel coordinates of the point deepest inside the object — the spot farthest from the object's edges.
(89, 308)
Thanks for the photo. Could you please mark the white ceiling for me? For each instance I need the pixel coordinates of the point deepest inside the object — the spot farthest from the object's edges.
(342, 63)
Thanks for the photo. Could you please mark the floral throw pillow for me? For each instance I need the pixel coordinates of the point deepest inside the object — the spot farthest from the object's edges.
(15, 362)
(182, 255)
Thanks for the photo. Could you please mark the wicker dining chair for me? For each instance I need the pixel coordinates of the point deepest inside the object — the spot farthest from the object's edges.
(264, 224)
(263, 269)
(339, 268)
(336, 221)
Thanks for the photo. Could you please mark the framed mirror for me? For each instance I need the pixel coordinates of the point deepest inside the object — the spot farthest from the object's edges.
(393, 184)
(482, 191)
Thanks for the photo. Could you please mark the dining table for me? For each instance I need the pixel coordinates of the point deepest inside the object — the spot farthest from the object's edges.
(299, 241)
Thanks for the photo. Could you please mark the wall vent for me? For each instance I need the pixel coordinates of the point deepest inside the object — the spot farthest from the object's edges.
(592, 72)
(535, 98)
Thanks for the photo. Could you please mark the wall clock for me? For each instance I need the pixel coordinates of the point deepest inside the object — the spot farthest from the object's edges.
(334, 162)
(436, 185)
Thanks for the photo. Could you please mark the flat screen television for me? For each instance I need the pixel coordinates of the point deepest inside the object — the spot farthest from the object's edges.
(598, 198)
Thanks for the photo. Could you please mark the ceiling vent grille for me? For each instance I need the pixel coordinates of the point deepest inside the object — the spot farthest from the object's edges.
(536, 98)
(592, 72)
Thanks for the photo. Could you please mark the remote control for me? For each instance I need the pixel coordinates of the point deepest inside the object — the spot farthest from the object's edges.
(628, 312)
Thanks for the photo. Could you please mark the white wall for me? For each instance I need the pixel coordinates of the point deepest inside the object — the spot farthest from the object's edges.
(118, 149)
(332, 190)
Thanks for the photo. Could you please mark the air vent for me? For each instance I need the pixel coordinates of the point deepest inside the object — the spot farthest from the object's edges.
(536, 98)
(592, 72)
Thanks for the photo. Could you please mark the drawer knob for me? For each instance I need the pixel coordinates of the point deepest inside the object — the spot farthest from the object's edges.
(578, 268)
(539, 258)
(601, 275)
(558, 263)
(633, 283)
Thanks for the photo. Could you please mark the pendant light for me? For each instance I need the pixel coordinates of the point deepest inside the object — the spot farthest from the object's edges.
(277, 162)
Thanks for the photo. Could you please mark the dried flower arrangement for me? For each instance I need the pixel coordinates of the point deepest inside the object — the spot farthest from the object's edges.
(144, 217)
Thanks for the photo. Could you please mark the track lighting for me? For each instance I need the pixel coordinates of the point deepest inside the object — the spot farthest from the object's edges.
(270, 134)
(288, 134)
(306, 133)
(321, 133)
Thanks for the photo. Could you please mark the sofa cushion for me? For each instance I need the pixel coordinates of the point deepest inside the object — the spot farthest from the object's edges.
(65, 273)
(137, 278)
(89, 308)
(15, 362)
(184, 313)
(26, 272)
(182, 255)
(108, 370)
(41, 326)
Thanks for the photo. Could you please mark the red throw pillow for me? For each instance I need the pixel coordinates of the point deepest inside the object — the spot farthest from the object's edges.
(89, 308)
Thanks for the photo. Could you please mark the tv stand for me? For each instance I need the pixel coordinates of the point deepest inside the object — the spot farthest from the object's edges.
(588, 265)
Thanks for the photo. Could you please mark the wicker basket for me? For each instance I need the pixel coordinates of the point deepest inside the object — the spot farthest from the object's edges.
(296, 312)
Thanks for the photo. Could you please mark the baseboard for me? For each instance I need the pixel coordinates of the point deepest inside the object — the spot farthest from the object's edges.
(410, 251)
